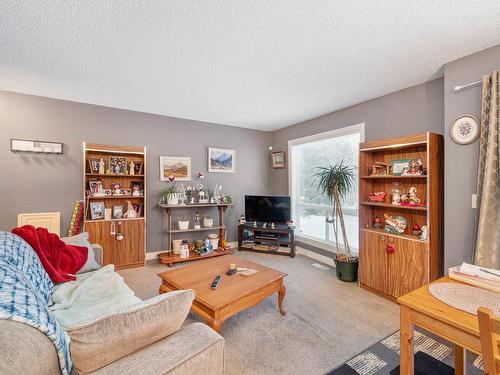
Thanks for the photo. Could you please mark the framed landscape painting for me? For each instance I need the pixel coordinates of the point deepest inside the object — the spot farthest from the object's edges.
(221, 160)
(177, 166)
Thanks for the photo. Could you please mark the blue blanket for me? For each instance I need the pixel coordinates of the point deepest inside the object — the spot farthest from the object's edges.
(26, 293)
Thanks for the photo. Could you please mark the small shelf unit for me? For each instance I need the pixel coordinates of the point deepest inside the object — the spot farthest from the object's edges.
(282, 244)
(415, 262)
(168, 257)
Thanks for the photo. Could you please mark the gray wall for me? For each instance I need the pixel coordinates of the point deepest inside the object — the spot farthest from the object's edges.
(461, 161)
(53, 183)
(410, 111)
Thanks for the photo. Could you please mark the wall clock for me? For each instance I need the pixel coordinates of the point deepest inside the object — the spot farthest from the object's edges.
(465, 129)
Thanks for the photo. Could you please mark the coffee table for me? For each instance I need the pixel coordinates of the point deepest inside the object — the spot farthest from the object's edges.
(234, 293)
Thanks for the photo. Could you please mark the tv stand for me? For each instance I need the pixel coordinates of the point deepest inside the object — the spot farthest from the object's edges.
(279, 241)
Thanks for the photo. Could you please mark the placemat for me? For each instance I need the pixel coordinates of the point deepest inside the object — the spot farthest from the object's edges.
(465, 297)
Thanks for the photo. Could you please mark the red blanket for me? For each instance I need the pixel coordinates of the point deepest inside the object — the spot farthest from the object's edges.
(61, 261)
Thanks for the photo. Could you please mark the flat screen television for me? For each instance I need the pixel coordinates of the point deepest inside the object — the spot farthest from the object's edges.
(268, 209)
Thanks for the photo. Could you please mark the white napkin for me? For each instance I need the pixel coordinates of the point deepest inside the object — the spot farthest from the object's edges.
(482, 272)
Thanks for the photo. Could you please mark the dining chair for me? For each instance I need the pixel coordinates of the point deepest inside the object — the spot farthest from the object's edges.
(489, 330)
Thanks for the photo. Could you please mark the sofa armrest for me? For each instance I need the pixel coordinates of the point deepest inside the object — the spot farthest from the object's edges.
(98, 253)
(195, 349)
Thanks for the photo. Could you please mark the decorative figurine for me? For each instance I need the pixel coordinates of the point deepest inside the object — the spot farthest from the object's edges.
(116, 188)
(242, 220)
(132, 168)
(395, 194)
(417, 231)
(273, 226)
(136, 190)
(264, 225)
(101, 166)
(289, 224)
(423, 236)
(197, 221)
(380, 169)
(130, 213)
(255, 224)
(377, 222)
(201, 176)
(415, 167)
(395, 225)
(376, 197)
(411, 198)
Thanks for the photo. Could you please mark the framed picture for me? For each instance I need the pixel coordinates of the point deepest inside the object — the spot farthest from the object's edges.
(93, 165)
(117, 211)
(117, 164)
(278, 159)
(177, 166)
(465, 129)
(221, 160)
(399, 165)
(94, 186)
(137, 167)
(97, 210)
(139, 185)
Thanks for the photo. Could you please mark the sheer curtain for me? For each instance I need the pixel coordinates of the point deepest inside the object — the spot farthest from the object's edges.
(487, 244)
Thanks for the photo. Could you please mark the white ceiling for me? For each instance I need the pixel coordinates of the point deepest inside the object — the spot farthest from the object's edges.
(256, 64)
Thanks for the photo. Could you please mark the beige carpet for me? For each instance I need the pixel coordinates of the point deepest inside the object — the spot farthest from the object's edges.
(327, 321)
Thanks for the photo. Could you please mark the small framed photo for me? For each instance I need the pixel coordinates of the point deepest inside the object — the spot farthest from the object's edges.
(278, 159)
(177, 166)
(117, 211)
(137, 184)
(399, 165)
(221, 160)
(137, 167)
(97, 210)
(117, 165)
(94, 186)
(93, 165)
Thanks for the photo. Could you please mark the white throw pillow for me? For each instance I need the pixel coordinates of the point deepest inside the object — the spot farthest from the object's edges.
(82, 239)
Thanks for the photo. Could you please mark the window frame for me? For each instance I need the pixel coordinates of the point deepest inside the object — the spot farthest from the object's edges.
(351, 129)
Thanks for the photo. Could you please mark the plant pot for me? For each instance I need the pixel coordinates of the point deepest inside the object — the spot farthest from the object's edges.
(347, 270)
(183, 225)
(176, 246)
(173, 199)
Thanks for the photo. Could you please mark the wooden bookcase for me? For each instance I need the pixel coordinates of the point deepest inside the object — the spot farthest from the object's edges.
(415, 262)
(131, 250)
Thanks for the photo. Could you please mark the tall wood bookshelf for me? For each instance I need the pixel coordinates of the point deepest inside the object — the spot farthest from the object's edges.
(131, 250)
(415, 261)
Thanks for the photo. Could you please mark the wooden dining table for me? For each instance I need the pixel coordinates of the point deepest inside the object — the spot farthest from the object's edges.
(420, 308)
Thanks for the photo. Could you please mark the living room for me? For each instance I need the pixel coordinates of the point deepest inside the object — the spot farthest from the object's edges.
(342, 181)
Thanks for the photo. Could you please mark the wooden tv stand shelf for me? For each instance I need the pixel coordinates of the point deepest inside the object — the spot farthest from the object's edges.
(280, 242)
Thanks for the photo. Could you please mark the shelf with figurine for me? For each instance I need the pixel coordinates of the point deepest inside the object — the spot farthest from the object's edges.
(398, 225)
(409, 200)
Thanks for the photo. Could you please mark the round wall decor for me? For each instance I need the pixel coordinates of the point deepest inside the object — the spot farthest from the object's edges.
(465, 129)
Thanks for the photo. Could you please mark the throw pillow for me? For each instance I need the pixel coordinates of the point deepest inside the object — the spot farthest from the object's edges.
(82, 239)
(127, 331)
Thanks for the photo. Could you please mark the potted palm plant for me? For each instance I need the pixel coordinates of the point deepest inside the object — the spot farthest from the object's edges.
(335, 182)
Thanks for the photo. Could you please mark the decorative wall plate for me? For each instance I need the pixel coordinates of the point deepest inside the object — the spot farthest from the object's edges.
(465, 129)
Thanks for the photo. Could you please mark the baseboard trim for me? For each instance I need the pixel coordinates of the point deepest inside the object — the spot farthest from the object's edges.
(154, 254)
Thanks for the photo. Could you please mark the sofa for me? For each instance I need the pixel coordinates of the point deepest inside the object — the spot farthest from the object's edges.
(147, 338)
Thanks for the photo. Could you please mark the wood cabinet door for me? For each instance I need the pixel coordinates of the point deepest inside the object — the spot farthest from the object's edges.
(100, 233)
(407, 266)
(130, 250)
(373, 261)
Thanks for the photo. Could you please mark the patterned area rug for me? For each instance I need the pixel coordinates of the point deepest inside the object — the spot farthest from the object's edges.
(433, 355)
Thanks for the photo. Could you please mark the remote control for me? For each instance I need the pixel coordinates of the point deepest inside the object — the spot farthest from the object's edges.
(216, 282)
(231, 272)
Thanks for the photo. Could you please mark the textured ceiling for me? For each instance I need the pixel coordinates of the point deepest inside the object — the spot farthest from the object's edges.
(257, 64)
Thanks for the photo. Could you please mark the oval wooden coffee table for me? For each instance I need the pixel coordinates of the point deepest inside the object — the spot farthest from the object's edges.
(234, 293)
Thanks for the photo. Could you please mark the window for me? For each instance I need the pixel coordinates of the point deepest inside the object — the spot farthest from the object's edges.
(310, 209)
